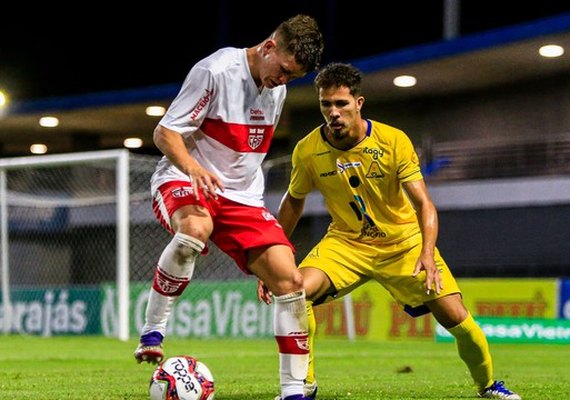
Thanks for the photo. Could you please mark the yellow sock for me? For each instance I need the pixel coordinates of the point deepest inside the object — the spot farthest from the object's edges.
(311, 340)
(473, 349)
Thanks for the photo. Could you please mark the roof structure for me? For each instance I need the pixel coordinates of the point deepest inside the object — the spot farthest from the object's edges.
(504, 56)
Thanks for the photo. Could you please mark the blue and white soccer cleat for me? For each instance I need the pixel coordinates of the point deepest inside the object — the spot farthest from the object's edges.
(309, 393)
(498, 391)
(150, 348)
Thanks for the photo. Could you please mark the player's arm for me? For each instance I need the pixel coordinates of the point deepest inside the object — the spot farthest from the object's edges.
(428, 220)
(290, 211)
(172, 145)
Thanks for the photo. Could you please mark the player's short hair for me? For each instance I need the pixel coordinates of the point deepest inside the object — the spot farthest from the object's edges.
(340, 75)
(300, 36)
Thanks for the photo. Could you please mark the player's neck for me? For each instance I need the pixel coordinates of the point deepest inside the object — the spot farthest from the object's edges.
(356, 135)
(252, 55)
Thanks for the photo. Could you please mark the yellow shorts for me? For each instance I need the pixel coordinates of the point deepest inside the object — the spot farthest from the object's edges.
(350, 263)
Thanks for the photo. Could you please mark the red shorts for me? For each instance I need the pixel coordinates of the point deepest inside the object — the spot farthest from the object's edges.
(237, 227)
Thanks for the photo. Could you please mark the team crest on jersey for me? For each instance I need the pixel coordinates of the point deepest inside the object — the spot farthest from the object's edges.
(255, 137)
(374, 171)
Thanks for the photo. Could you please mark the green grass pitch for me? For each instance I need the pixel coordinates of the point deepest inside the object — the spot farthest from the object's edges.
(93, 368)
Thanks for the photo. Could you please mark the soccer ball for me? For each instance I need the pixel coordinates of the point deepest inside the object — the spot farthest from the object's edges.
(182, 378)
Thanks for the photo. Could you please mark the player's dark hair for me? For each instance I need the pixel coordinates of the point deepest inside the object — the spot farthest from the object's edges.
(300, 36)
(339, 75)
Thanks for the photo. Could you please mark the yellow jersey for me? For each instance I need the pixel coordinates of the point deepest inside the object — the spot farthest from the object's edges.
(361, 186)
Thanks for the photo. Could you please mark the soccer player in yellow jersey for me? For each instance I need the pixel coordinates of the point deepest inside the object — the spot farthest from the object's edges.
(384, 223)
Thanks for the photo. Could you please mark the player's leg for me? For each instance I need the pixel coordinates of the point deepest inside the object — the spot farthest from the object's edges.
(472, 345)
(191, 224)
(331, 270)
(275, 266)
(317, 285)
(310, 386)
(471, 342)
(447, 307)
(257, 243)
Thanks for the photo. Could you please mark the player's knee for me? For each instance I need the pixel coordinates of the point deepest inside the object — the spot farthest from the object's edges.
(316, 283)
(297, 282)
(289, 284)
(187, 246)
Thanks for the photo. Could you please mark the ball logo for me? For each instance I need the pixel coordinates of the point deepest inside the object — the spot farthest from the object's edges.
(182, 378)
(181, 374)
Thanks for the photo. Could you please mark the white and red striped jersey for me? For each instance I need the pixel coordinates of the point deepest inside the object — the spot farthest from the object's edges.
(227, 123)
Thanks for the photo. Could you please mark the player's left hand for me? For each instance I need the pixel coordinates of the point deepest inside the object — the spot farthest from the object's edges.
(433, 278)
(263, 293)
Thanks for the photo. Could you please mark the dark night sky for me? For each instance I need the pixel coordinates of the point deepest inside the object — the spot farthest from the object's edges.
(87, 48)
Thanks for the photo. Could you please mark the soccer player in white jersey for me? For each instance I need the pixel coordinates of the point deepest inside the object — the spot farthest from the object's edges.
(209, 185)
(384, 224)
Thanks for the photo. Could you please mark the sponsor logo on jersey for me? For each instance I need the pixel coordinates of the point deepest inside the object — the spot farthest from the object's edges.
(328, 173)
(256, 114)
(201, 104)
(255, 137)
(183, 191)
(371, 231)
(376, 153)
(344, 166)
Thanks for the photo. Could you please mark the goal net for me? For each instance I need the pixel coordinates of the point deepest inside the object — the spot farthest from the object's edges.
(79, 245)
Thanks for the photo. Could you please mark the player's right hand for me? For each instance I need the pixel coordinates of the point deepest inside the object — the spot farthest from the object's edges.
(263, 293)
(205, 181)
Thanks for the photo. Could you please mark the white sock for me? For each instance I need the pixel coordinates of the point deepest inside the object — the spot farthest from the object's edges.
(291, 332)
(173, 272)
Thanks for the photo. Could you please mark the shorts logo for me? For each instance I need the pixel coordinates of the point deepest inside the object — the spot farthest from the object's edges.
(183, 191)
(267, 216)
(255, 137)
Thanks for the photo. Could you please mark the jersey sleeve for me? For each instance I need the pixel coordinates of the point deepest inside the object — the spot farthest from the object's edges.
(407, 160)
(190, 106)
(301, 183)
